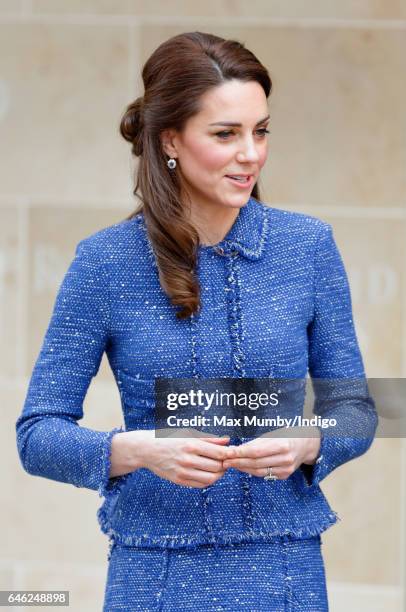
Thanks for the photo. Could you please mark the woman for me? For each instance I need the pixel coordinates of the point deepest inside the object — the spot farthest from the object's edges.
(204, 281)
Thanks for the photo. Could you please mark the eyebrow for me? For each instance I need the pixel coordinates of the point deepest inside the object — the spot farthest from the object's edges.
(233, 124)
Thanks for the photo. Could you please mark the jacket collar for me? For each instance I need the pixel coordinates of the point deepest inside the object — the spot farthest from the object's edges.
(248, 233)
(246, 236)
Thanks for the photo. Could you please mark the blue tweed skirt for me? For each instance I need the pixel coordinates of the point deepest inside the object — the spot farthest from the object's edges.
(279, 576)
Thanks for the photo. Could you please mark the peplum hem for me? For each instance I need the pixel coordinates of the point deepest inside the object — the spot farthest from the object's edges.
(190, 541)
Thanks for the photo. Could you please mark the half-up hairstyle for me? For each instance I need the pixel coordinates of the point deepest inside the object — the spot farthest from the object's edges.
(177, 74)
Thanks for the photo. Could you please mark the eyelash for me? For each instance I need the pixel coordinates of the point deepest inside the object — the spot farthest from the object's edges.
(263, 131)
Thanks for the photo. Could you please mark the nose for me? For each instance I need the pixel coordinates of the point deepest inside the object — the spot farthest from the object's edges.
(249, 152)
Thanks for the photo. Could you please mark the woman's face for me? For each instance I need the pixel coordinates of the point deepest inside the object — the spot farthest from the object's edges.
(210, 148)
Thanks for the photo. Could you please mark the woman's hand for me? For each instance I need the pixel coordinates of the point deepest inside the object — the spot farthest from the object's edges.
(190, 461)
(283, 455)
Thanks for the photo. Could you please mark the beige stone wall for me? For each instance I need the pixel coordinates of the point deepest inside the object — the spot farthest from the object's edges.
(67, 70)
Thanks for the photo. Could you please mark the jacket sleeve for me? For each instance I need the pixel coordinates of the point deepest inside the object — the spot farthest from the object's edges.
(336, 367)
(50, 441)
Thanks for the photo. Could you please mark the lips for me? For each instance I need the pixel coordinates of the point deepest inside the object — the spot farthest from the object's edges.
(243, 182)
(239, 177)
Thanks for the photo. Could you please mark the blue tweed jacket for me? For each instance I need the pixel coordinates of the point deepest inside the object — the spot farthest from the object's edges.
(275, 303)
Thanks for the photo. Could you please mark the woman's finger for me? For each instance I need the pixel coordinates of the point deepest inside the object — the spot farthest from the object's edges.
(259, 463)
(200, 462)
(259, 448)
(222, 440)
(208, 449)
(200, 476)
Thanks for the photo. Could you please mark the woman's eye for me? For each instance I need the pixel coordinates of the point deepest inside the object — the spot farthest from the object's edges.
(225, 134)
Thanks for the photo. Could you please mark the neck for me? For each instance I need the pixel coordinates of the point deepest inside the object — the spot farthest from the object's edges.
(212, 223)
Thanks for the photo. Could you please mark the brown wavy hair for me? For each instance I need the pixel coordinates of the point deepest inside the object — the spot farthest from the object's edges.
(176, 75)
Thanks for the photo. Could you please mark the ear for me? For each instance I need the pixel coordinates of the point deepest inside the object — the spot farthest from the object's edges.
(168, 141)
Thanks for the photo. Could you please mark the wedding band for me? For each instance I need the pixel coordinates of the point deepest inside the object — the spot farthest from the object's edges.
(270, 476)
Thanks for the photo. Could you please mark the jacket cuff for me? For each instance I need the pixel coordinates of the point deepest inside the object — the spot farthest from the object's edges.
(315, 472)
(334, 451)
(108, 486)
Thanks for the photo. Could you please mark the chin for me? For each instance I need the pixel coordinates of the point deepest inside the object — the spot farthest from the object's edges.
(239, 202)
